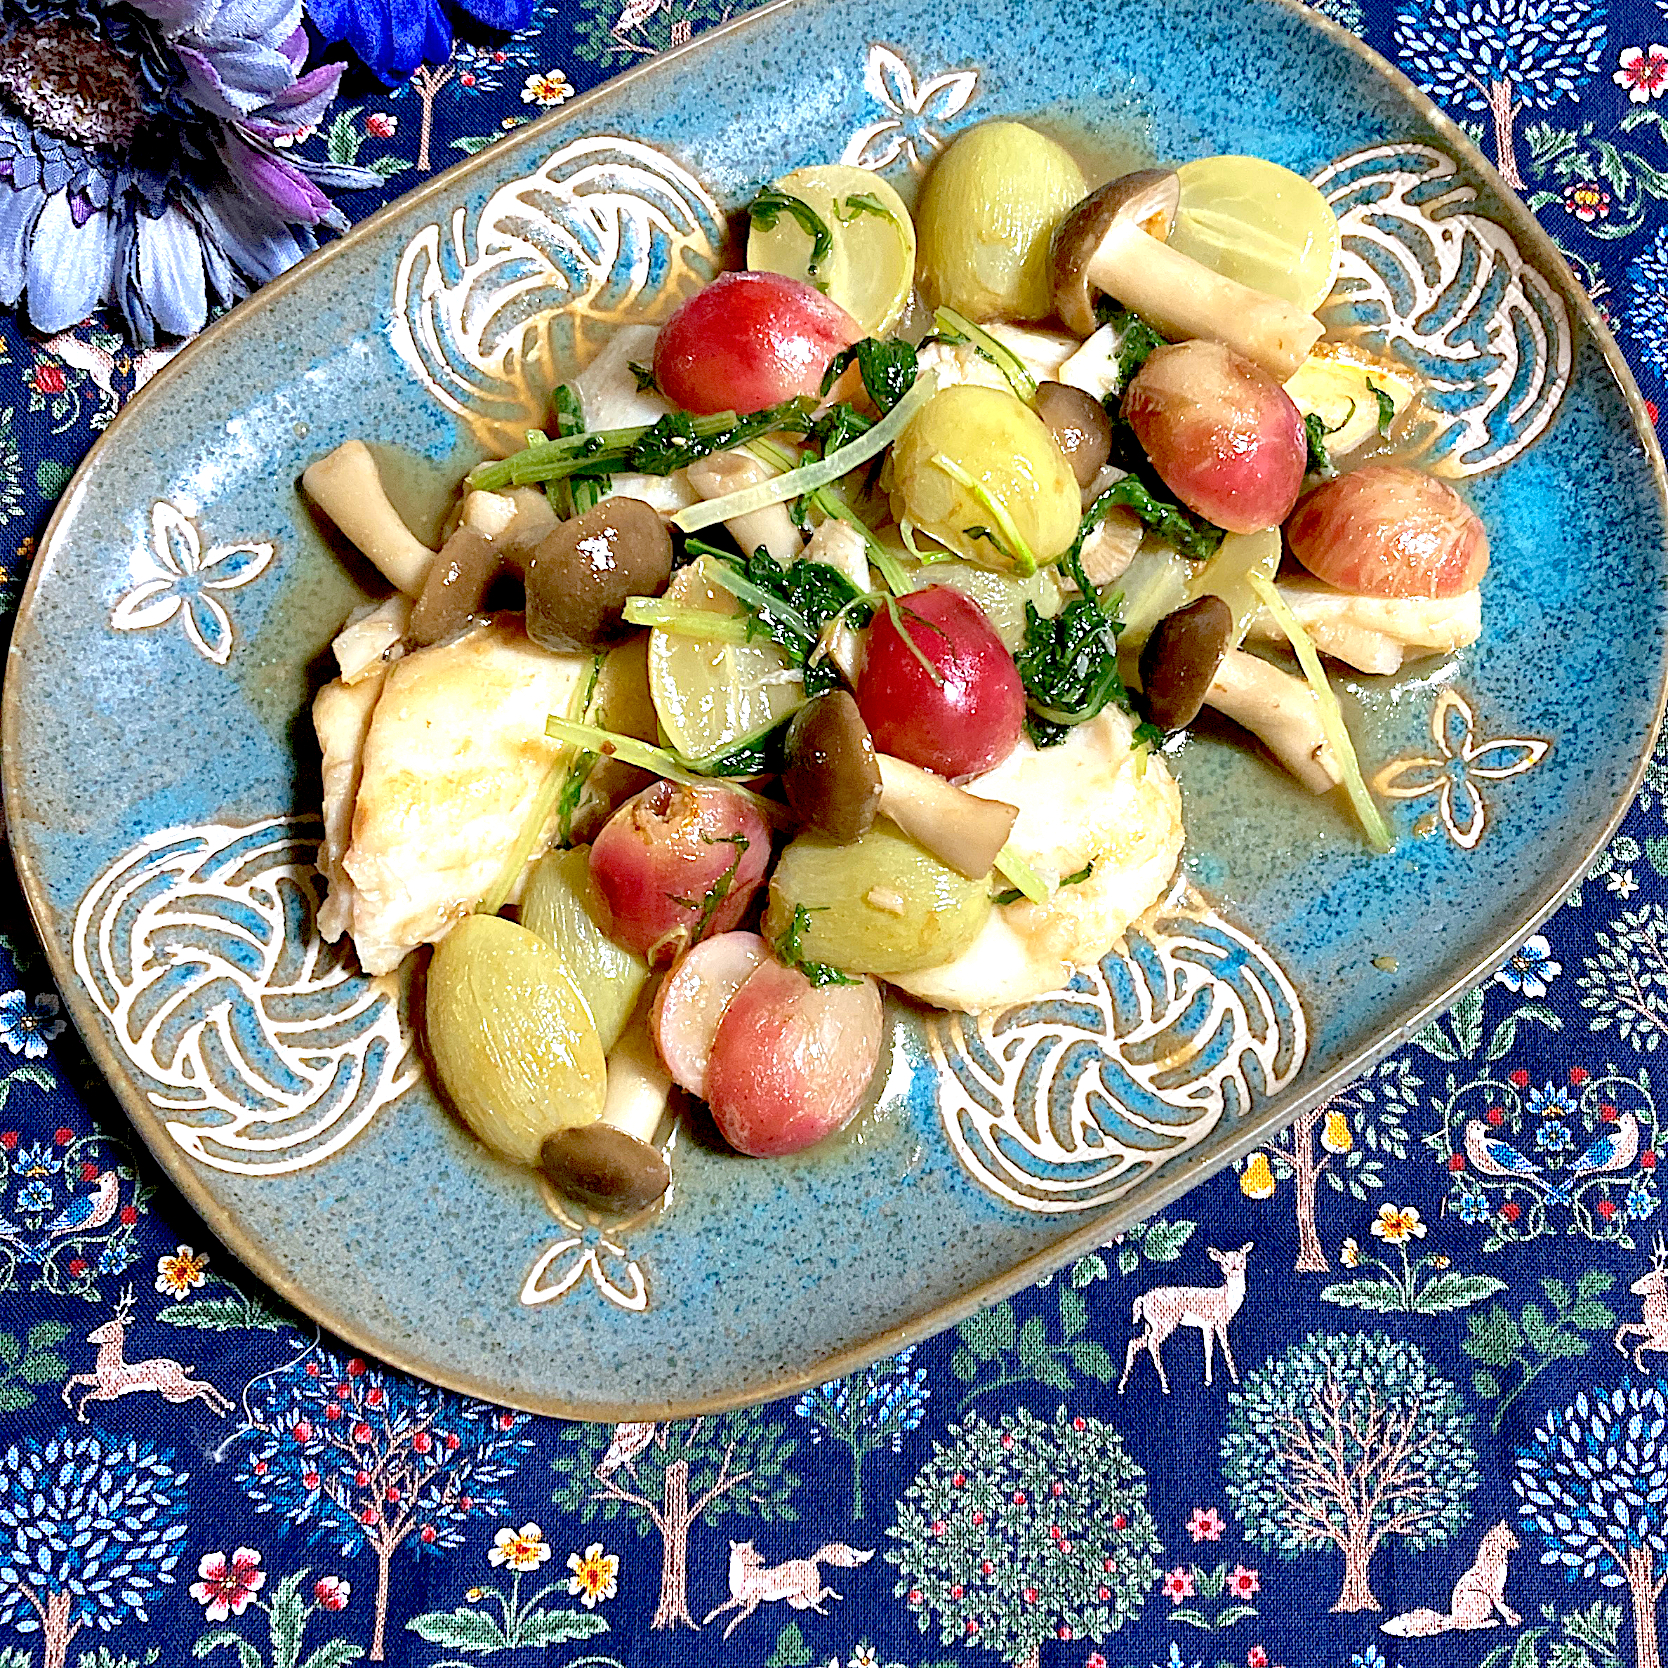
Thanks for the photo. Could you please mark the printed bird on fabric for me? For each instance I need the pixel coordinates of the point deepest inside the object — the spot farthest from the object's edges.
(1614, 1150)
(89, 1210)
(1491, 1157)
(630, 1439)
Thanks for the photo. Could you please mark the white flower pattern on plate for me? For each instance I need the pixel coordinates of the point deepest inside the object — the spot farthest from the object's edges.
(188, 575)
(910, 131)
(587, 1251)
(1451, 775)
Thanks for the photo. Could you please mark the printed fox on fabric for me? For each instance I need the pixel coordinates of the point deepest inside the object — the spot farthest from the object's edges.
(1478, 1594)
(753, 1582)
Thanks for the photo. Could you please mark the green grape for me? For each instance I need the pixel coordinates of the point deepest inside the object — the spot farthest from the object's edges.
(986, 214)
(878, 905)
(979, 470)
(512, 1042)
(556, 907)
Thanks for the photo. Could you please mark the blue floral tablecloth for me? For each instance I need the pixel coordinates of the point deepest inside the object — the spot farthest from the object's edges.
(1448, 1437)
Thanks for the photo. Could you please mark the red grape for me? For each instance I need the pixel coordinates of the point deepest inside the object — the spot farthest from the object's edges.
(692, 998)
(748, 340)
(1386, 531)
(1223, 435)
(958, 723)
(676, 864)
(791, 1060)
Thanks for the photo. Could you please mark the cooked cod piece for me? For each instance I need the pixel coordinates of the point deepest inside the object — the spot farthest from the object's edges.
(610, 398)
(341, 720)
(1041, 352)
(1092, 800)
(452, 760)
(1374, 634)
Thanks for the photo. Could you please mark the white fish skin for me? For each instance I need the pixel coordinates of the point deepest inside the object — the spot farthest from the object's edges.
(1091, 799)
(455, 753)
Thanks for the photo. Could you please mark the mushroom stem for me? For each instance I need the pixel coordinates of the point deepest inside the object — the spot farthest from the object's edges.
(1281, 712)
(638, 1084)
(1184, 298)
(772, 527)
(345, 484)
(957, 827)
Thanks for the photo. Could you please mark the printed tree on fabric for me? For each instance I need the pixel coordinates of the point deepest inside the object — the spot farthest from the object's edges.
(90, 1531)
(872, 1409)
(368, 1460)
(1025, 1530)
(674, 1476)
(1502, 57)
(1594, 1487)
(1345, 1441)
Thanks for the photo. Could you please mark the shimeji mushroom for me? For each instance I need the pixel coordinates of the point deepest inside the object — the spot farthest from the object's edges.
(1281, 712)
(613, 1164)
(837, 784)
(345, 484)
(1180, 660)
(771, 527)
(1113, 242)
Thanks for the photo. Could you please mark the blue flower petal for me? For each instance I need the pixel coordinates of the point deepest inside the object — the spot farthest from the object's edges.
(499, 14)
(70, 265)
(170, 273)
(19, 211)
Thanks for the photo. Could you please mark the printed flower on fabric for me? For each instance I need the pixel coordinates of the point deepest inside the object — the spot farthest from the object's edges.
(1177, 1585)
(1531, 968)
(1349, 1253)
(1587, 200)
(1554, 1101)
(1641, 1200)
(228, 1584)
(546, 88)
(522, 1549)
(1244, 1583)
(1397, 1224)
(143, 158)
(26, 1027)
(392, 37)
(331, 1592)
(1472, 1208)
(1206, 1524)
(188, 576)
(595, 1576)
(178, 1274)
(1643, 70)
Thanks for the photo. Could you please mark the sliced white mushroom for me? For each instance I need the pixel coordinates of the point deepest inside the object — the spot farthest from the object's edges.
(1094, 366)
(611, 399)
(772, 527)
(1281, 711)
(347, 486)
(341, 720)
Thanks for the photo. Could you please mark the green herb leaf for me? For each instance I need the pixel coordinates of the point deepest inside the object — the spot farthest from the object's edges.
(645, 377)
(1315, 432)
(1013, 894)
(584, 492)
(887, 368)
(1180, 528)
(1136, 338)
(790, 605)
(1069, 664)
(769, 207)
(790, 954)
(1386, 407)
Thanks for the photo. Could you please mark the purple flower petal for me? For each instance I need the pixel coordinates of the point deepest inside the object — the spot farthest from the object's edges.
(304, 105)
(281, 183)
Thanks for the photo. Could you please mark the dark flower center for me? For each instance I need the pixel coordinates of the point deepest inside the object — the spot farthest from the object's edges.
(74, 85)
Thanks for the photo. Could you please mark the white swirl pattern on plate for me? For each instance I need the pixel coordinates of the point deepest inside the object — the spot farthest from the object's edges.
(606, 230)
(1063, 1104)
(1430, 282)
(262, 1048)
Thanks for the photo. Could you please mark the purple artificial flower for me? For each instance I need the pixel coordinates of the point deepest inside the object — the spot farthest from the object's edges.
(145, 160)
(392, 37)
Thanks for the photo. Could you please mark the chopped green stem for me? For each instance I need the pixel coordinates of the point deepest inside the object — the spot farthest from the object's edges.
(1337, 733)
(755, 597)
(796, 483)
(769, 207)
(954, 326)
(1012, 867)
(699, 623)
(658, 760)
(1013, 544)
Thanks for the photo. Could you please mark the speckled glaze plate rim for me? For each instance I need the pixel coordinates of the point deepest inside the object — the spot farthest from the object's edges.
(1165, 1185)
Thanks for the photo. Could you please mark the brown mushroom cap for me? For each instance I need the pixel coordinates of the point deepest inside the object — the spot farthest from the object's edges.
(831, 778)
(1148, 198)
(1181, 657)
(604, 1167)
(579, 577)
(455, 587)
(1079, 425)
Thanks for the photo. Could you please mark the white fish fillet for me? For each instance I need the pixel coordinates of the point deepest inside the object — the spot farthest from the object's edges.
(455, 753)
(610, 398)
(1091, 799)
(341, 719)
(1374, 634)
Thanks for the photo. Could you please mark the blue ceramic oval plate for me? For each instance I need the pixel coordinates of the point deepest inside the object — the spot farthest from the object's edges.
(161, 789)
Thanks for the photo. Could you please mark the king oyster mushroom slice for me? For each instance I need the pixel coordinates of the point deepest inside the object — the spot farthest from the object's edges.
(1112, 243)
(772, 527)
(1281, 712)
(613, 1164)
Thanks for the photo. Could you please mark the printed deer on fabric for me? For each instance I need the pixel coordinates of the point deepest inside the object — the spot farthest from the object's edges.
(1210, 1308)
(114, 1376)
(1651, 1328)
